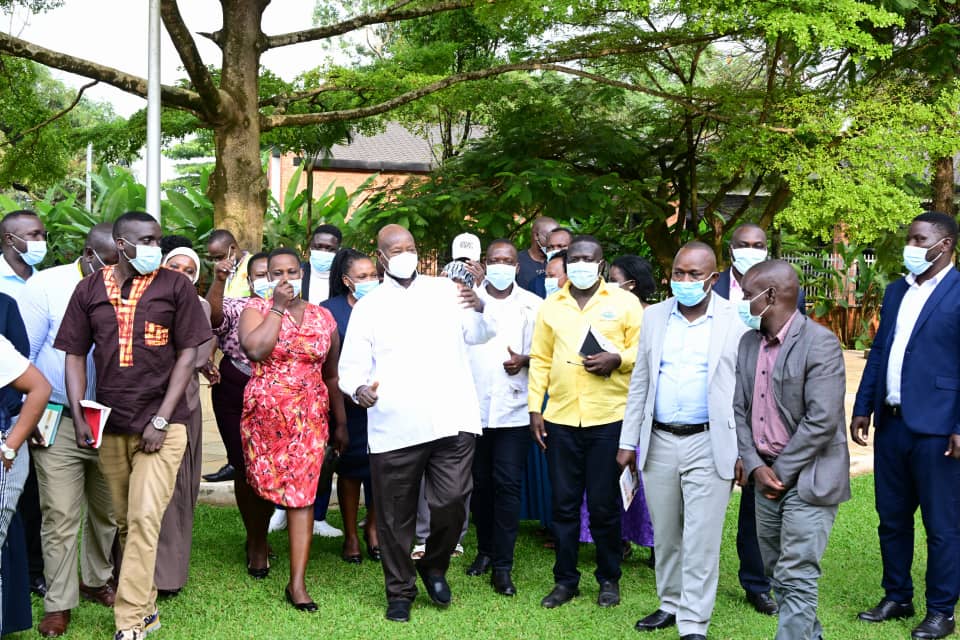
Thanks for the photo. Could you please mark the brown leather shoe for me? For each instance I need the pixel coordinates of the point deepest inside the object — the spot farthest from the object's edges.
(105, 595)
(54, 623)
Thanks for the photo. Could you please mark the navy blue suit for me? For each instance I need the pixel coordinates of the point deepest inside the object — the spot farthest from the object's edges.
(752, 577)
(910, 468)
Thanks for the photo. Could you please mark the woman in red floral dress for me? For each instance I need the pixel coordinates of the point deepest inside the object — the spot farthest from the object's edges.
(295, 350)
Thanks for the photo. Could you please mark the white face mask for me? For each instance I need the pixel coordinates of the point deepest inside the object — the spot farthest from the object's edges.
(583, 275)
(746, 257)
(403, 265)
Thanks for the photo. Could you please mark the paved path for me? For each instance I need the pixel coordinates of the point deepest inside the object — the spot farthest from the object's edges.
(214, 456)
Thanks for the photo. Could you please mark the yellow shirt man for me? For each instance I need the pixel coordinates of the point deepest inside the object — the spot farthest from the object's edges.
(237, 285)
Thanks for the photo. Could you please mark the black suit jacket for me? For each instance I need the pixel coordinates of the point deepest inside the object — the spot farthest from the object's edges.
(722, 288)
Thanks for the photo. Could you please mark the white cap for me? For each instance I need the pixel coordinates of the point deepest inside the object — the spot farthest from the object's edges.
(466, 245)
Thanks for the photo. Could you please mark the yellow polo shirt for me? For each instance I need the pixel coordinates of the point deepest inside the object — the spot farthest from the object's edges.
(578, 398)
(237, 285)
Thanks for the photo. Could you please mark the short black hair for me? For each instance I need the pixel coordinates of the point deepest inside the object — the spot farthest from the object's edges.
(328, 228)
(171, 242)
(641, 272)
(947, 224)
(563, 229)
(584, 239)
(341, 265)
(130, 216)
(260, 255)
(505, 241)
(221, 235)
(282, 251)
(14, 215)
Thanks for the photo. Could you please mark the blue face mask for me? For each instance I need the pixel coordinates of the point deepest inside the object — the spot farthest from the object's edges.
(552, 285)
(361, 289)
(263, 288)
(743, 308)
(321, 260)
(746, 257)
(501, 276)
(689, 293)
(35, 253)
(583, 275)
(296, 284)
(915, 258)
(147, 259)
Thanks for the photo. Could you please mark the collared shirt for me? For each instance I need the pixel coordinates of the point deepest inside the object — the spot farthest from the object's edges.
(227, 332)
(42, 305)
(413, 342)
(319, 286)
(578, 398)
(770, 435)
(503, 398)
(10, 283)
(137, 339)
(237, 285)
(910, 307)
(736, 293)
(682, 381)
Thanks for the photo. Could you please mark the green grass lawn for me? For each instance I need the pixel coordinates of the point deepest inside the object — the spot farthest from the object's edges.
(220, 601)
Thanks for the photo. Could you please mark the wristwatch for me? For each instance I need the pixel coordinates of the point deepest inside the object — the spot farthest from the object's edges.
(158, 423)
(8, 453)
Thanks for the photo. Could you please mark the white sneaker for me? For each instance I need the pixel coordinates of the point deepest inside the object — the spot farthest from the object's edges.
(278, 521)
(128, 634)
(323, 529)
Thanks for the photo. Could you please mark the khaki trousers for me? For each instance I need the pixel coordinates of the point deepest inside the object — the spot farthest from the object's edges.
(69, 478)
(141, 485)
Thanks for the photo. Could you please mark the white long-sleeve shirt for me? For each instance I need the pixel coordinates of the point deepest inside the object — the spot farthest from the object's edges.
(413, 342)
(503, 398)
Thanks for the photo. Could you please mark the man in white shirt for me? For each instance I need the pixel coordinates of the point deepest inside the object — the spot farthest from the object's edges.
(69, 476)
(405, 358)
(500, 374)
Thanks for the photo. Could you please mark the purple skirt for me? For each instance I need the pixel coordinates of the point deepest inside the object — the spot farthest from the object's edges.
(635, 521)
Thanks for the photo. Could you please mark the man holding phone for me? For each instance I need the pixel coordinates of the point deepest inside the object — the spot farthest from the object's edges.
(580, 428)
(222, 245)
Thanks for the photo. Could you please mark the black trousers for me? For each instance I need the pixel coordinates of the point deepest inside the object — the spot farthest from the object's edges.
(29, 509)
(585, 458)
(498, 467)
(751, 575)
(444, 465)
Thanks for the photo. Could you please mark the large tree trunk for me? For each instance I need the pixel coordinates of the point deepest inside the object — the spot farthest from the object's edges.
(943, 186)
(238, 186)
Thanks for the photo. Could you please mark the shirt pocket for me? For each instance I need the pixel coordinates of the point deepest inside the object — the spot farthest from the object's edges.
(155, 334)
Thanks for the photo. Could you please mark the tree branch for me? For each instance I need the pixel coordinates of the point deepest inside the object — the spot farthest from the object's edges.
(281, 99)
(190, 56)
(171, 96)
(14, 139)
(394, 13)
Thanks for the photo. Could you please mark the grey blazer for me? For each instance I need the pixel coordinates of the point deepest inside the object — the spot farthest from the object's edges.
(721, 364)
(809, 384)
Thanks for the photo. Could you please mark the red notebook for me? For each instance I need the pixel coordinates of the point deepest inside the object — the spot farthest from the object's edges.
(96, 415)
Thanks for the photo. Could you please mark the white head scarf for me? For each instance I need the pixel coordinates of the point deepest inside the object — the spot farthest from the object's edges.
(190, 253)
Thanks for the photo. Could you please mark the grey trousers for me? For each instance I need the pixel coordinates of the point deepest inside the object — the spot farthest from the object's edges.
(688, 502)
(793, 535)
(423, 517)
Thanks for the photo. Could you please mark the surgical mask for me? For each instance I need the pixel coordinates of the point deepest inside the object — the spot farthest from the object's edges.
(583, 275)
(296, 284)
(746, 257)
(99, 259)
(743, 308)
(501, 276)
(552, 285)
(689, 293)
(321, 260)
(35, 253)
(263, 288)
(403, 265)
(361, 289)
(147, 259)
(552, 253)
(915, 258)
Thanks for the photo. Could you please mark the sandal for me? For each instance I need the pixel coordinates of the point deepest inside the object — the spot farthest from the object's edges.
(419, 550)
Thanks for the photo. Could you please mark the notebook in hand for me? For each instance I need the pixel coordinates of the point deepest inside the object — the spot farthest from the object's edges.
(594, 342)
(96, 416)
(50, 422)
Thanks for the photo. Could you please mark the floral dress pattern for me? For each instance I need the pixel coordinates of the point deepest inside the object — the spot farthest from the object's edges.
(285, 405)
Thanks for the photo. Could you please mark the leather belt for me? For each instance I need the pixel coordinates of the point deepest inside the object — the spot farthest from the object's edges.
(894, 410)
(682, 429)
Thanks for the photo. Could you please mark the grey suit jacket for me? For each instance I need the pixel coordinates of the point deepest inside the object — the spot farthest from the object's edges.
(721, 364)
(809, 383)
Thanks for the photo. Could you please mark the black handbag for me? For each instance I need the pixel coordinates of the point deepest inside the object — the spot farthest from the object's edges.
(331, 460)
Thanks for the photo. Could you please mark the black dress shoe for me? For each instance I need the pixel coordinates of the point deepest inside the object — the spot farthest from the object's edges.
(352, 558)
(398, 610)
(659, 619)
(225, 473)
(934, 625)
(560, 595)
(38, 586)
(307, 607)
(763, 602)
(693, 636)
(502, 584)
(887, 610)
(480, 565)
(437, 588)
(609, 594)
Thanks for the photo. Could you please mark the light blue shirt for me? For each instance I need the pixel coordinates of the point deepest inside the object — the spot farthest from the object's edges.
(43, 301)
(682, 383)
(10, 283)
